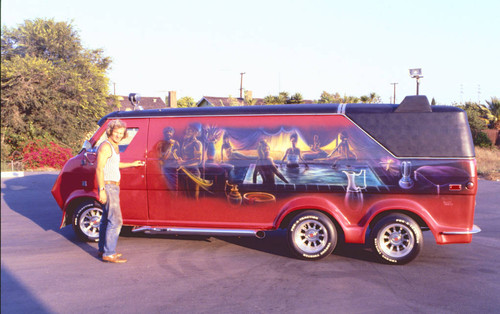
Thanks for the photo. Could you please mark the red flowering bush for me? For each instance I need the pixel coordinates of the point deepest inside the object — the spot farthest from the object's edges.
(37, 154)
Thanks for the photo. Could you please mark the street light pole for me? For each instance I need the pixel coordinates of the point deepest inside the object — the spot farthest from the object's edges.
(241, 85)
(416, 74)
(394, 98)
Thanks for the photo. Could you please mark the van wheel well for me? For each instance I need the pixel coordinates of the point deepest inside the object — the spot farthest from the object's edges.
(73, 205)
(421, 223)
(286, 221)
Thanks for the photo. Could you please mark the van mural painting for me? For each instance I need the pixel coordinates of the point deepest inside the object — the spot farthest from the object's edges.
(284, 158)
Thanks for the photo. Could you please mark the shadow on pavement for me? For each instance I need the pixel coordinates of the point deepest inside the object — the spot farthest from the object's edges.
(38, 205)
(275, 243)
(16, 298)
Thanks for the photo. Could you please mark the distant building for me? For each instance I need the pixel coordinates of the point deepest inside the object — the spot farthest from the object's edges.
(145, 103)
(208, 101)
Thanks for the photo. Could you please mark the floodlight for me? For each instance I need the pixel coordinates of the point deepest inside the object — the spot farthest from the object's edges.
(416, 73)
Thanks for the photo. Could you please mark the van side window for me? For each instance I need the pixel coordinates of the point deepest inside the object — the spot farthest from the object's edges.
(132, 132)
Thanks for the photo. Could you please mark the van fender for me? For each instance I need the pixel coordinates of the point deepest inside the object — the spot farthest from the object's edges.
(311, 202)
(73, 196)
(405, 205)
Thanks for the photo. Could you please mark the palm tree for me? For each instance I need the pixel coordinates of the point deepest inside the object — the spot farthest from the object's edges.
(494, 105)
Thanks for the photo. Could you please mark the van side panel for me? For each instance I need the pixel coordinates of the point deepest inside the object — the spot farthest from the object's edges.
(244, 172)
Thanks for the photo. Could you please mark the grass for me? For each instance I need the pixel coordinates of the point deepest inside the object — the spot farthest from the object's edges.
(488, 163)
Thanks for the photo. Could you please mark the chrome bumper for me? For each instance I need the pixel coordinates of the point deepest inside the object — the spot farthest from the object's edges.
(475, 229)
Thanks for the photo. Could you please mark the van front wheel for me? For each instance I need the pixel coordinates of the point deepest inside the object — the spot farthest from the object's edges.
(312, 235)
(86, 219)
(396, 239)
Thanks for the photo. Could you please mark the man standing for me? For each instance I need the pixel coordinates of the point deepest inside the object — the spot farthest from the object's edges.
(108, 179)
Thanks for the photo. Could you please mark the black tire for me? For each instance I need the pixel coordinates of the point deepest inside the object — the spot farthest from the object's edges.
(86, 220)
(311, 235)
(396, 239)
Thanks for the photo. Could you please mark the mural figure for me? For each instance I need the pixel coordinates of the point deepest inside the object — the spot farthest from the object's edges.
(342, 151)
(292, 154)
(231, 153)
(168, 150)
(189, 161)
(316, 151)
(265, 166)
(210, 135)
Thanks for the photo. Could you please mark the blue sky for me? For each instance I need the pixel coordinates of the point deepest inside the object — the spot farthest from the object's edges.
(199, 48)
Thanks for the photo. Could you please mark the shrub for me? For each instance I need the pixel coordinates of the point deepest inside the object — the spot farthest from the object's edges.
(37, 154)
(482, 140)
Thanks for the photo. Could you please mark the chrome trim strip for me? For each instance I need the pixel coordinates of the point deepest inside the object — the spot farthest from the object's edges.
(201, 231)
(475, 229)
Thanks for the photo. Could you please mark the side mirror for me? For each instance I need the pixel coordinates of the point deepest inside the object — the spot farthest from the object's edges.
(88, 149)
(86, 146)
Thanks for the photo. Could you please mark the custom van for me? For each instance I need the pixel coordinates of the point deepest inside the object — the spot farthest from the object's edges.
(357, 173)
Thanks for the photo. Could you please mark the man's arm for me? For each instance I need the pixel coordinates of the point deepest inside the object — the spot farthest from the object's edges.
(103, 155)
(136, 163)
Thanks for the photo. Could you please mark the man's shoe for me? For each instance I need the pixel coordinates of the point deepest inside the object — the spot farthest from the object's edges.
(100, 254)
(114, 259)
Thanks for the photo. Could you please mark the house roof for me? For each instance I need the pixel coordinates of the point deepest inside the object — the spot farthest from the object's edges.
(226, 101)
(146, 103)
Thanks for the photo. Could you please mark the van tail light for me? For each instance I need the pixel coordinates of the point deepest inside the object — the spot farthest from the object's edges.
(455, 187)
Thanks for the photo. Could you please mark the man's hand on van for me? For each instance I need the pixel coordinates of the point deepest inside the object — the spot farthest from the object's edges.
(138, 163)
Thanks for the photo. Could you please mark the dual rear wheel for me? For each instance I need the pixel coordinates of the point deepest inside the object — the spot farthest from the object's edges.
(395, 239)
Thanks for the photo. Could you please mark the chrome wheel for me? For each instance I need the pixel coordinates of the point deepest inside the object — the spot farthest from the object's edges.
(396, 240)
(310, 236)
(89, 222)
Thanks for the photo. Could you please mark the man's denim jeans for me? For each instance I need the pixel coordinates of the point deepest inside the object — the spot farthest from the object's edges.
(111, 221)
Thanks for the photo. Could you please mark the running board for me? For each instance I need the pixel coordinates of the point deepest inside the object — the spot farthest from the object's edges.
(201, 231)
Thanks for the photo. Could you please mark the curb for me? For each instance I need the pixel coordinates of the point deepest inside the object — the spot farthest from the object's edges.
(12, 174)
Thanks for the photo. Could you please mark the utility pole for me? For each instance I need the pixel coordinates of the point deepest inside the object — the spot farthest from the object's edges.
(394, 98)
(114, 88)
(241, 85)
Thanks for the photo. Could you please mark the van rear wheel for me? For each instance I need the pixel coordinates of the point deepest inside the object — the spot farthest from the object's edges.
(311, 235)
(86, 219)
(397, 239)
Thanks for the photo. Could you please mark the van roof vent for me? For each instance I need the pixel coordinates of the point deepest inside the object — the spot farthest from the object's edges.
(414, 104)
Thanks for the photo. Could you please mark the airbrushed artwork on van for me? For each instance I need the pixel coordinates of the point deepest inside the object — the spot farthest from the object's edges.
(258, 164)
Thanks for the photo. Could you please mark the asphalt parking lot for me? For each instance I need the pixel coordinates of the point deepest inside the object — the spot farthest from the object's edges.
(46, 270)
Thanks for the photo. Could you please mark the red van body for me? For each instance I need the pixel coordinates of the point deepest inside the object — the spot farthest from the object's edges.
(379, 173)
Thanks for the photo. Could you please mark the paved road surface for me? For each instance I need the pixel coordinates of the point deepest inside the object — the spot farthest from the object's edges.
(46, 270)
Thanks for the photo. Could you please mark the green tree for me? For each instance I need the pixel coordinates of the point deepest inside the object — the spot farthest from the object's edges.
(477, 123)
(52, 87)
(372, 98)
(282, 98)
(494, 106)
(296, 98)
(186, 102)
(327, 98)
(249, 101)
